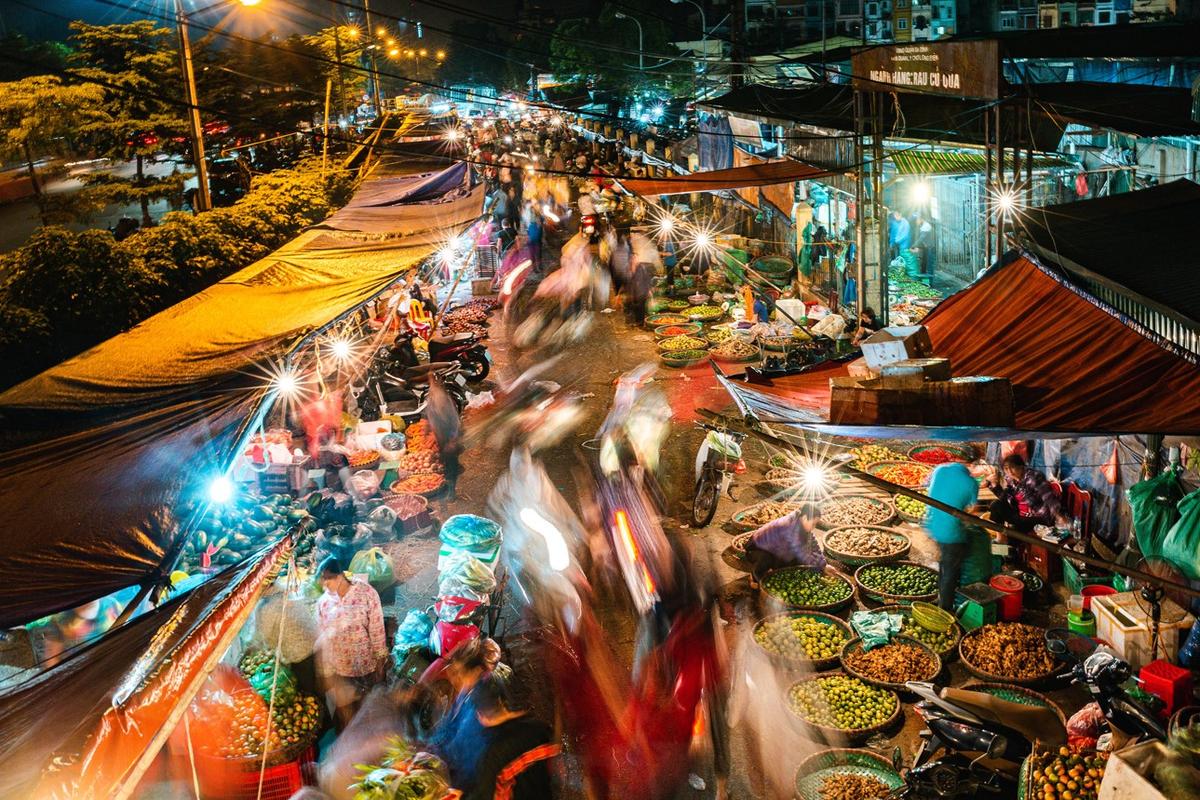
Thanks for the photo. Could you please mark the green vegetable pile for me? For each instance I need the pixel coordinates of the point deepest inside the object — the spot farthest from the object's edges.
(677, 343)
(937, 642)
(840, 701)
(909, 580)
(800, 586)
(233, 531)
(910, 507)
(685, 355)
(705, 312)
(800, 638)
(402, 774)
(718, 335)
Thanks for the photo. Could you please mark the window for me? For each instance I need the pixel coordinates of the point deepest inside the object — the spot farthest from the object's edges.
(1008, 23)
(1047, 20)
(902, 24)
(872, 9)
(1066, 18)
(1104, 18)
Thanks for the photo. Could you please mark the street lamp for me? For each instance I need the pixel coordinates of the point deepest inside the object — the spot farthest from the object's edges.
(641, 54)
(703, 32)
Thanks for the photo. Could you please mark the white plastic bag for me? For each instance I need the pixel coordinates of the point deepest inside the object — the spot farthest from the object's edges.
(364, 484)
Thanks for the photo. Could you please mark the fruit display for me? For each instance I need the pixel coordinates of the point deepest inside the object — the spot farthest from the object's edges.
(412, 461)
(901, 579)
(232, 531)
(363, 459)
(656, 320)
(468, 313)
(866, 542)
(683, 358)
(934, 454)
(904, 473)
(895, 663)
(801, 587)
(1066, 775)
(842, 702)
(849, 786)
(761, 514)
(1009, 651)
(420, 437)
(802, 637)
(690, 329)
(943, 644)
(678, 305)
(675, 344)
(249, 724)
(910, 508)
(451, 325)
(734, 350)
(870, 453)
(718, 335)
(419, 483)
(840, 512)
(706, 313)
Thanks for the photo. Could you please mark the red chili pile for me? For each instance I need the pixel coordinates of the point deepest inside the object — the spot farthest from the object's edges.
(935, 455)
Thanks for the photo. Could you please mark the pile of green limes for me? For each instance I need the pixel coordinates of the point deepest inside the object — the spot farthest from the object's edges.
(801, 586)
(800, 638)
(937, 642)
(840, 701)
(909, 580)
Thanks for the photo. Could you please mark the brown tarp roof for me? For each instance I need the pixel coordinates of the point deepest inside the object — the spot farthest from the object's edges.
(1075, 365)
(733, 178)
(100, 449)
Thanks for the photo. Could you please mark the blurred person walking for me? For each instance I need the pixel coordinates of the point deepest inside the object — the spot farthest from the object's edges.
(352, 649)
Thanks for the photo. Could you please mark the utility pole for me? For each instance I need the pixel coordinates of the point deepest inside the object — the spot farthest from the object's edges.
(737, 37)
(203, 198)
(375, 95)
(337, 54)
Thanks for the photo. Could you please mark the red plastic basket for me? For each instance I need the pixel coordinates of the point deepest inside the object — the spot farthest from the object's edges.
(228, 779)
(1170, 683)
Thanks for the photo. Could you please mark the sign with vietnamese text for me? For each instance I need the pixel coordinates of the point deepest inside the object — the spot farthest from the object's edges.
(961, 69)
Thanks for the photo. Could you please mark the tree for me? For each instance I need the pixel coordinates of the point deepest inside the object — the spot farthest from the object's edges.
(615, 69)
(37, 114)
(342, 47)
(136, 66)
(29, 57)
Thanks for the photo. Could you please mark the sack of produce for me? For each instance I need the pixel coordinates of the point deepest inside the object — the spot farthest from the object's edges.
(376, 565)
(412, 633)
(1085, 726)
(1154, 508)
(364, 484)
(271, 679)
(1182, 544)
(382, 521)
(470, 532)
(875, 628)
(461, 569)
(297, 615)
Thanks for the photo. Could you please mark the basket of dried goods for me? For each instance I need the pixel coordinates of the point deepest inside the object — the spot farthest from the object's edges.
(840, 708)
(675, 344)
(910, 509)
(808, 589)
(363, 459)
(414, 461)
(844, 774)
(870, 453)
(891, 665)
(738, 543)
(1008, 652)
(941, 453)
(422, 483)
(668, 318)
(734, 351)
(686, 329)
(897, 582)
(683, 358)
(807, 639)
(908, 474)
(705, 313)
(856, 509)
(760, 514)
(944, 643)
(806, 484)
(855, 545)
(1022, 695)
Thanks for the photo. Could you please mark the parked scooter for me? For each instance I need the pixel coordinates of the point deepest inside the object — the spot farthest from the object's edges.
(949, 777)
(718, 459)
(465, 348)
(386, 392)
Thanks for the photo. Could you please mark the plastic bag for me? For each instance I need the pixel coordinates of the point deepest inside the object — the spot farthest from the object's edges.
(1182, 544)
(382, 521)
(342, 542)
(298, 617)
(364, 484)
(463, 569)
(376, 565)
(412, 634)
(1154, 507)
(876, 628)
(481, 400)
(471, 532)
(1085, 726)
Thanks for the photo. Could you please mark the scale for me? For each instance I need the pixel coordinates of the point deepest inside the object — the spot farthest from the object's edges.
(976, 605)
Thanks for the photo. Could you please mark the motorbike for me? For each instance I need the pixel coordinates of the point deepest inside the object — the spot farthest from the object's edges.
(466, 349)
(1104, 675)
(718, 459)
(949, 777)
(386, 392)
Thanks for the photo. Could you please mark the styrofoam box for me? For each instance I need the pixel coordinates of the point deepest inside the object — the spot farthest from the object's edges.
(1121, 621)
(1124, 774)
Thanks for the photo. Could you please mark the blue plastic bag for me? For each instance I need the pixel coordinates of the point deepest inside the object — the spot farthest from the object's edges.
(470, 532)
(413, 633)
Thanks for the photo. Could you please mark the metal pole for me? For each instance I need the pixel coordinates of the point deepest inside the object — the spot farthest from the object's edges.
(325, 142)
(880, 209)
(376, 97)
(999, 181)
(860, 233)
(987, 189)
(337, 53)
(203, 198)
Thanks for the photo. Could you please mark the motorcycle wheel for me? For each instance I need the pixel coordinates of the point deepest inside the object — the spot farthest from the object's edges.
(476, 367)
(704, 503)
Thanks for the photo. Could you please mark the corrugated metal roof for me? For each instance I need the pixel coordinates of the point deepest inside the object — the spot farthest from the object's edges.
(930, 162)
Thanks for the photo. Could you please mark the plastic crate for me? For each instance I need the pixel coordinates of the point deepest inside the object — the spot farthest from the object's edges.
(229, 779)
(1121, 621)
(1171, 684)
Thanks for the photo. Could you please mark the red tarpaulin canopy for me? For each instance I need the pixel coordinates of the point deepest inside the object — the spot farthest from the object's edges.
(1076, 365)
(719, 179)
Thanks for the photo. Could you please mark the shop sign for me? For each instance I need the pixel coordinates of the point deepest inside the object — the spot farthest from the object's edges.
(961, 69)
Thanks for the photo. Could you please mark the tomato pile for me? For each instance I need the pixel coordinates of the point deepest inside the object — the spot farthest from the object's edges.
(909, 474)
(935, 455)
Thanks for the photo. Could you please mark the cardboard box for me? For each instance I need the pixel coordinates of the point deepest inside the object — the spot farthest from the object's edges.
(1126, 771)
(481, 286)
(897, 343)
(858, 368)
(915, 370)
(976, 402)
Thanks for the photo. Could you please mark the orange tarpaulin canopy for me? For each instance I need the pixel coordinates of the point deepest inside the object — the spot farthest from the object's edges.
(719, 179)
(1076, 365)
